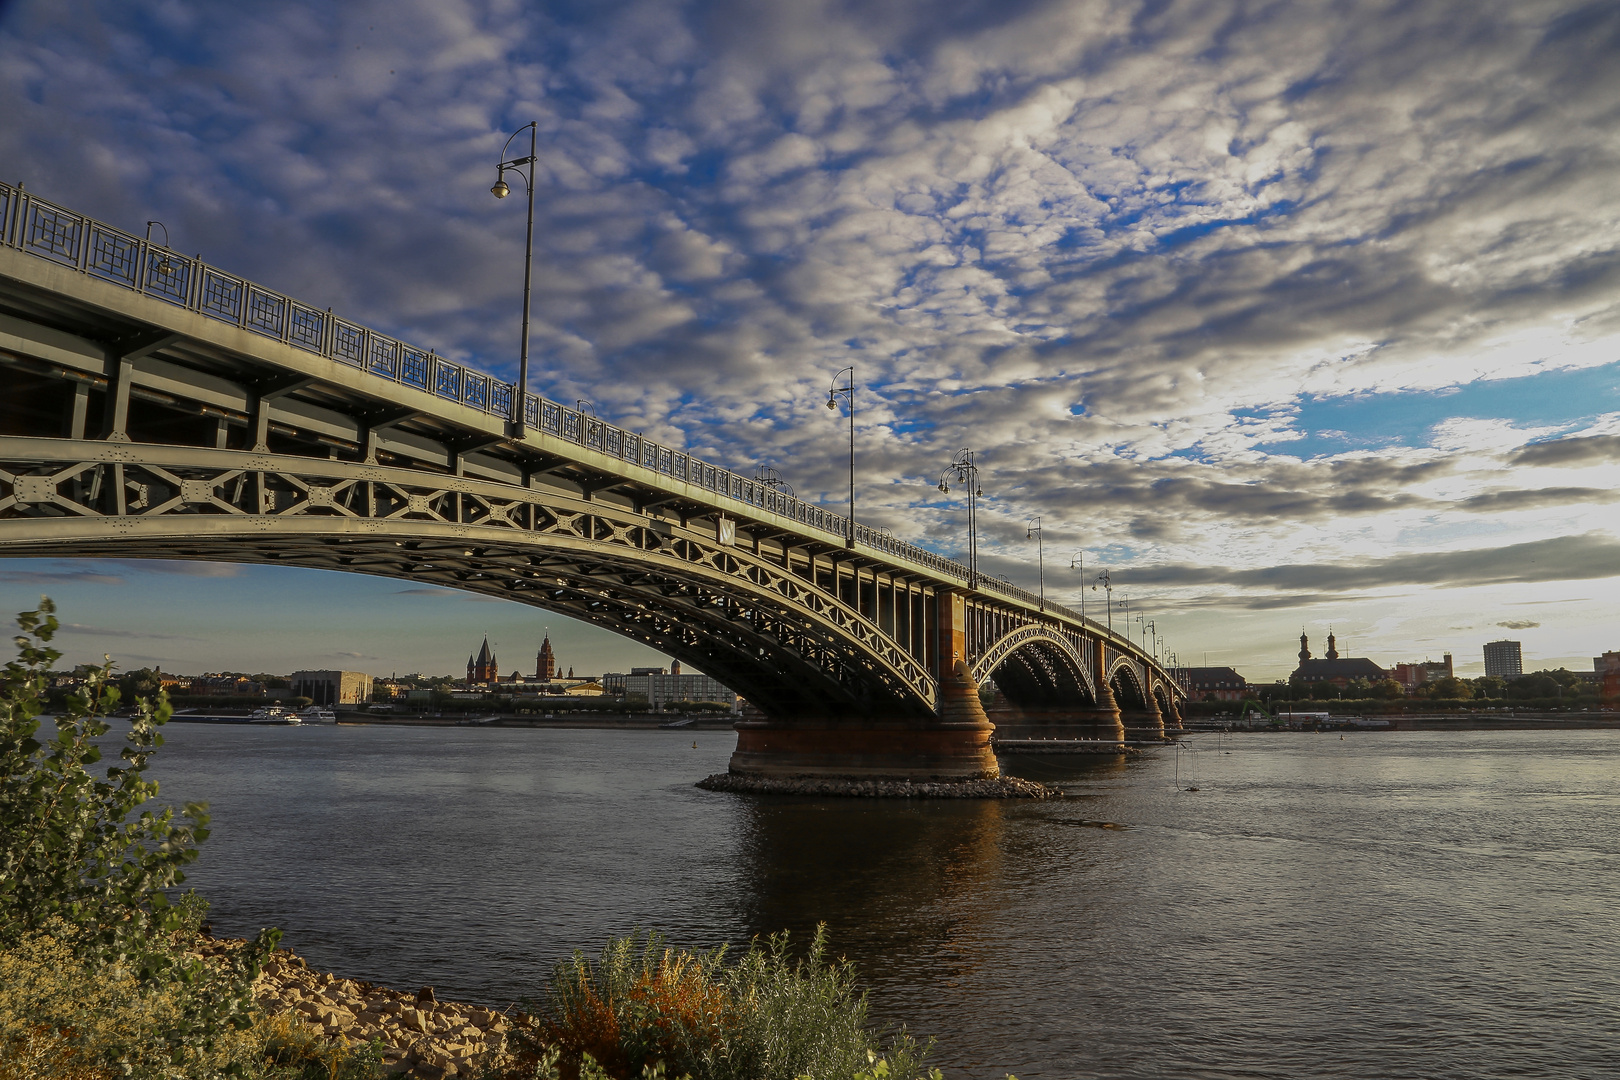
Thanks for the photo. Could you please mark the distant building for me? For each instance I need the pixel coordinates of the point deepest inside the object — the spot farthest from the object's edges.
(1503, 659)
(1334, 669)
(1413, 675)
(1219, 683)
(545, 664)
(332, 687)
(658, 689)
(1608, 670)
(225, 686)
(484, 669)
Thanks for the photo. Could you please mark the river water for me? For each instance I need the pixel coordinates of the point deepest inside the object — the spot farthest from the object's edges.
(1383, 905)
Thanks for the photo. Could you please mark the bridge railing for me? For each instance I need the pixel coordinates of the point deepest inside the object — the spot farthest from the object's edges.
(50, 231)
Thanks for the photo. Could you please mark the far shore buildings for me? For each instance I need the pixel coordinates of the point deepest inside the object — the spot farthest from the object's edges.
(1337, 670)
(332, 687)
(1413, 675)
(659, 688)
(1216, 684)
(1504, 659)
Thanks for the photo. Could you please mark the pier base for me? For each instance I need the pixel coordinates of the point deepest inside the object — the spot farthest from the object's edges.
(953, 746)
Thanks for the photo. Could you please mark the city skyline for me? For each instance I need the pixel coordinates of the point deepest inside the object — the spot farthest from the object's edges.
(1283, 318)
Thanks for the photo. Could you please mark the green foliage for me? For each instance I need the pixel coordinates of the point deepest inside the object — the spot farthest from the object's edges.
(74, 846)
(641, 1005)
(84, 861)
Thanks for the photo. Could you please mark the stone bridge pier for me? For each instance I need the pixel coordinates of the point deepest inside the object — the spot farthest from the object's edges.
(950, 744)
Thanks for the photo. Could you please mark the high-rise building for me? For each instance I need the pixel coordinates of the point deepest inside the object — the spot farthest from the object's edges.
(1503, 659)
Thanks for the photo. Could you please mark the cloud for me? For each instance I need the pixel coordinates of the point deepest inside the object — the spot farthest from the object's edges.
(1593, 555)
(187, 568)
(58, 577)
(99, 631)
(1126, 252)
(1519, 624)
(1584, 450)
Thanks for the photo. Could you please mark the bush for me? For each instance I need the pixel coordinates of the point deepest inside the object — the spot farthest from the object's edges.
(85, 869)
(643, 1007)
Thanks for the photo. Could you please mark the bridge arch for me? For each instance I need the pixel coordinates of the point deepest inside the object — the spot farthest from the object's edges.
(1035, 666)
(1125, 680)
(789, 647)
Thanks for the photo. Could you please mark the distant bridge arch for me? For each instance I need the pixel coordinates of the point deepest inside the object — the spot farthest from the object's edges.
(1036, 666)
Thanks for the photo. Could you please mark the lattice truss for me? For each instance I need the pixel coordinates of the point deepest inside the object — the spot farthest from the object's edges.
(1037, 664)
(786, 644)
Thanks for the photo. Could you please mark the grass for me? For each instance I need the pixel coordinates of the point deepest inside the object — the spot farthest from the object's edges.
(642, 1008)
(63, 1017)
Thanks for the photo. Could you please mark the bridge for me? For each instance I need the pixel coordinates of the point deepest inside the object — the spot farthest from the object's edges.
(160, 407)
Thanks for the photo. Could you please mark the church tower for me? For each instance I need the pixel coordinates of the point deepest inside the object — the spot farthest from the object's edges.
(484, 669)
(1304, 647)
(1333, 652)
(545, 664)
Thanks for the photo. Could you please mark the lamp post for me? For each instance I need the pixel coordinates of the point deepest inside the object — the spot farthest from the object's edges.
(1078, 561)
(164, 266)
(581, 404)
(1108, 586)
(847, 391)
(967, 472)
(1040, 556)
(501, 191)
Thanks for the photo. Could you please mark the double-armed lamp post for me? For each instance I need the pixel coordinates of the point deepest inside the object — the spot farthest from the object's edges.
(1108, 586)
(1077, 561)
(847, 392)
(966, 472)
(501, 191)
(1033, 529)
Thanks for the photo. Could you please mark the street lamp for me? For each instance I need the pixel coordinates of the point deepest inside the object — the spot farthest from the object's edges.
(847, 391)
(1078, 561)
(164, 266)
(771, 479)
(1040, 557)
(581, 404)
(1108, 586)
(966, 472)
(501, 191)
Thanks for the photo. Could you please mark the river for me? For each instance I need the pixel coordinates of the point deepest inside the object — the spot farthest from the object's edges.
(1383, 905)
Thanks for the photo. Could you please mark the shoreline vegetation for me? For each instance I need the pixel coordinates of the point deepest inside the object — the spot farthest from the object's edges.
(108, 971)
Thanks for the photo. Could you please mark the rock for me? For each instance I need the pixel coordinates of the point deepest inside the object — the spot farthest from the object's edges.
(1002, 787)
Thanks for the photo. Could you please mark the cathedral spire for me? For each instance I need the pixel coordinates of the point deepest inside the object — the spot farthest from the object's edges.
(1304, 647)
(1333, 651)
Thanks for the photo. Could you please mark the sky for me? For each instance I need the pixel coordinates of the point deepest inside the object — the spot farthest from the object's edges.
(1291, 316)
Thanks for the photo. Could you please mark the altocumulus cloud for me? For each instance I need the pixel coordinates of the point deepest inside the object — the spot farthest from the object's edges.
(1116, 247)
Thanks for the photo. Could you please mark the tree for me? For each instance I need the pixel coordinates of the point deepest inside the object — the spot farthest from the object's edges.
(1489, 686)
(1388, 690)
(1450, 687)
(141, 683)
(73, 845)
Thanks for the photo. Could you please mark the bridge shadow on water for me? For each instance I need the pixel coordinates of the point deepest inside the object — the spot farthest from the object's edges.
(914, 892)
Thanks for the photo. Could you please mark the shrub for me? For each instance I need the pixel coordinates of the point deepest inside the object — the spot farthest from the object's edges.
(86, 867)
(642, 1006)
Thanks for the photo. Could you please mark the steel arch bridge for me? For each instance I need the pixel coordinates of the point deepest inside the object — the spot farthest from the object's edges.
(158, 407)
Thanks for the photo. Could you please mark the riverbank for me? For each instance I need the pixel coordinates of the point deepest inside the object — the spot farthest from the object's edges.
(419, 1035)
